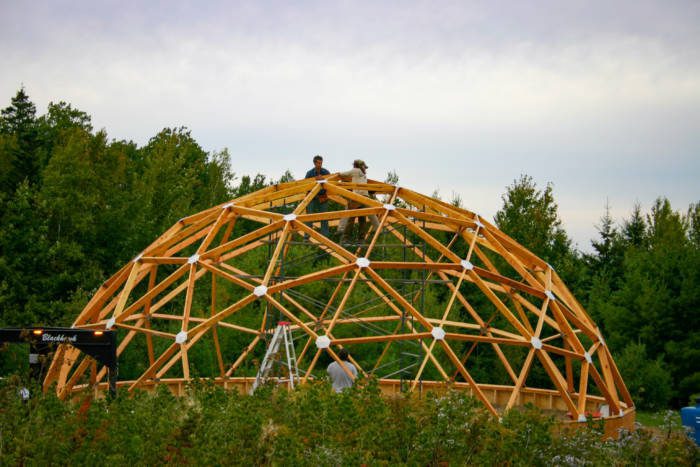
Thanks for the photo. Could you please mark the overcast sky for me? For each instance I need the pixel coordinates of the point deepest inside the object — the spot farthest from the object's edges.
(602, 99)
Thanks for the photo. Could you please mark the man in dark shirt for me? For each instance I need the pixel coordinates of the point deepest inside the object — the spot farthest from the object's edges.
(320, 201)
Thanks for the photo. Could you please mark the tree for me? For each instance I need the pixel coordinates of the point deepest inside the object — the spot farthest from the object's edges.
(56, 124)
(286, 177)
(694, 224)
(392, 178)
(608, 233)
(248, 186)
(531, 217)
(648, 381)
(19, 118)
(18, 121)
(23, 249)
(607, 260)
(634, 228)
(655, 299)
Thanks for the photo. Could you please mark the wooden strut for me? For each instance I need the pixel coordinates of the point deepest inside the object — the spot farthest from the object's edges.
(158, 295)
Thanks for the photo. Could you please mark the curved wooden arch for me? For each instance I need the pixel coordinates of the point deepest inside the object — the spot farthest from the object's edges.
(228, 271)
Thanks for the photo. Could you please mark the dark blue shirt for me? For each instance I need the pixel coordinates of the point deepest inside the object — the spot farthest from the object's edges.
(312, 174)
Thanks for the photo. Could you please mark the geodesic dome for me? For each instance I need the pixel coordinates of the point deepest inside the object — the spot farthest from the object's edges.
(435, 297)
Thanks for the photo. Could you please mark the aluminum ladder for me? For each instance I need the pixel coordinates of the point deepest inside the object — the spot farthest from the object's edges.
(282, 335)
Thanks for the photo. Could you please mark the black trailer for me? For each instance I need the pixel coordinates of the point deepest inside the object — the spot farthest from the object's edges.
(100, 345)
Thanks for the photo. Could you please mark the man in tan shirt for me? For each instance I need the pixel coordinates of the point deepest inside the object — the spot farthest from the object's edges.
(358, 174)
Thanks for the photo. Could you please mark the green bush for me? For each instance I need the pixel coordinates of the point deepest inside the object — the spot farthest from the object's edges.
(311, 425)
(648, 381)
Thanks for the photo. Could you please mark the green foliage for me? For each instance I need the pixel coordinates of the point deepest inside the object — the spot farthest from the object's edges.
(648, 381)
(311, 425)
(75, 206)
(531, 217)
(18, 125)
(647, 293)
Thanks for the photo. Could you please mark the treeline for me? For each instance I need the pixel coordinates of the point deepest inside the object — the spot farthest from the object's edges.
(74, 207)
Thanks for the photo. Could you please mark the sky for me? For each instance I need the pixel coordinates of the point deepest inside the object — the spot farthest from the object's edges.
(599, 98)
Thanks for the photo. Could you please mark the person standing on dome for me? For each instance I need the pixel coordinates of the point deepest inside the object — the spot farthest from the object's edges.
(320, 201)
(358, 174)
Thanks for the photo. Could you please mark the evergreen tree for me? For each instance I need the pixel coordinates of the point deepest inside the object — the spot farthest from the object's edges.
(655, 299)
(694, 224)
(531, 217)
(634, 228)
(19, 122)
(607, 260)
(608, 233)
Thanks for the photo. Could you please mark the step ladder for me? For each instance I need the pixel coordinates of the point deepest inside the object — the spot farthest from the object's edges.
(282, 335)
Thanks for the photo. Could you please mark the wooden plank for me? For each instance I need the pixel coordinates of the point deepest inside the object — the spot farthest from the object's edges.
(583, 387)
(213, 231)
(241, 358)
(291, 283)
(215, 333)
(617, 377)
(558, 381)
(465, 374)
(159, 248)
(147, 312)
(301, 207)
(162, 260)
(242, 240)
(455, 223)
(202, 327)
(385, 338)
(499, 304)
(189, 294)
(124, 294)
(170, 295)
(221, 324)
(335, 215)
(513, 261)
(402, 301)
(187, 241)
(77, 374)
(336, 189)
(441, 323)
(275, 255)
(604, 357)
(603, 388)
(103, 294)
(521, 379)
(53, 370)
(418, 199)
(428, 238)
(147, 331)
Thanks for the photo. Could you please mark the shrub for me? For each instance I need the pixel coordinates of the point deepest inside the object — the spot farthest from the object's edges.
(648, 381)
(310, 425)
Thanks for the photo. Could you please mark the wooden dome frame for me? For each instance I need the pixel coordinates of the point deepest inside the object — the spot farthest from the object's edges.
(536, 310)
